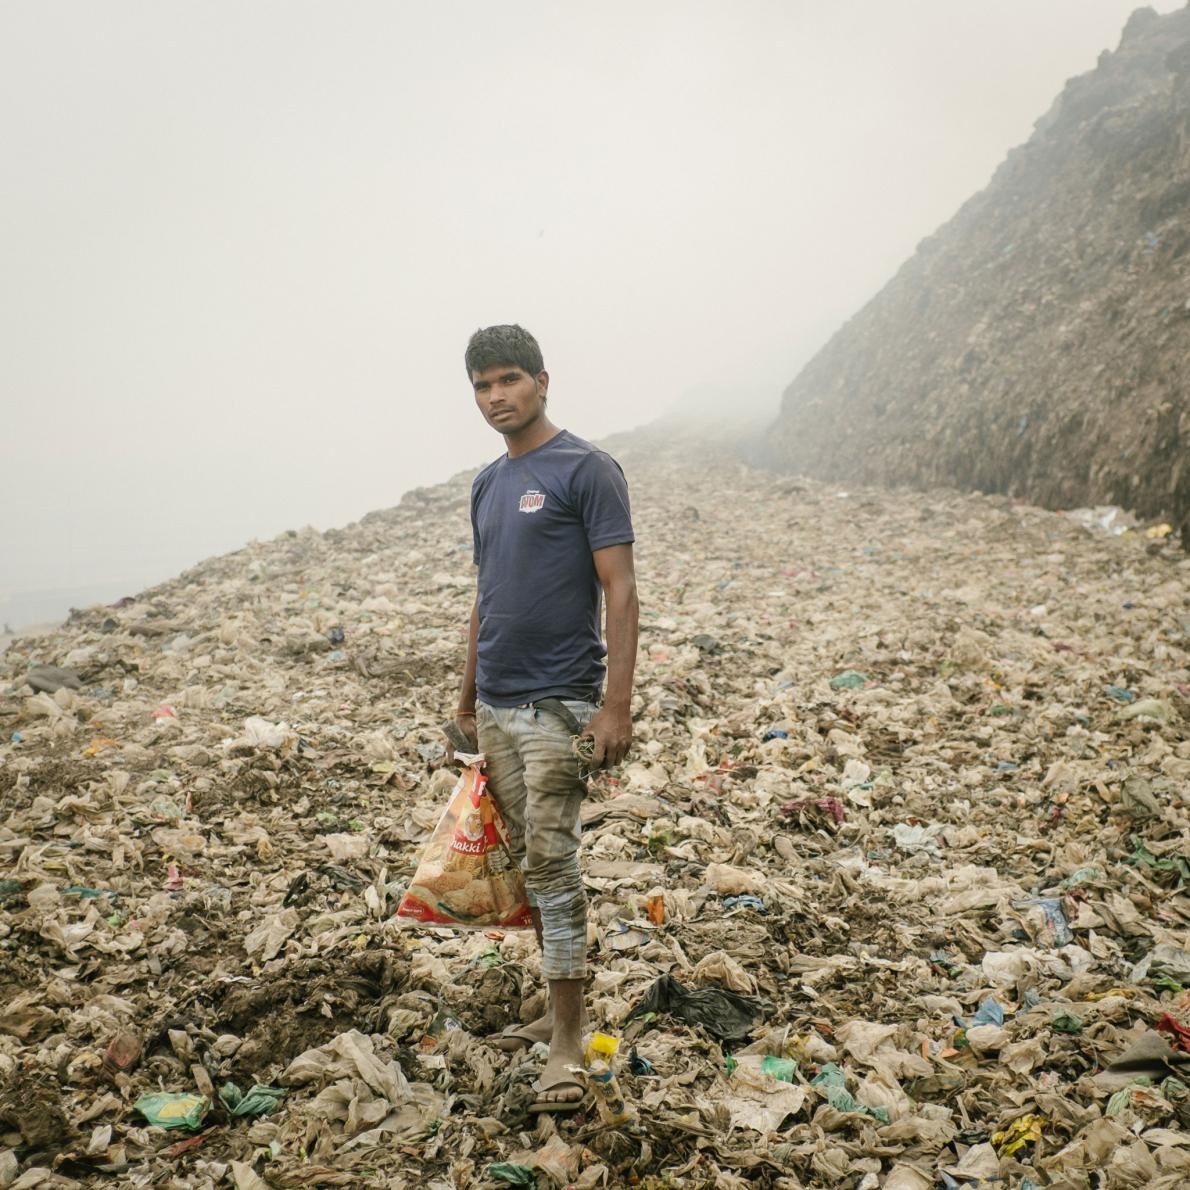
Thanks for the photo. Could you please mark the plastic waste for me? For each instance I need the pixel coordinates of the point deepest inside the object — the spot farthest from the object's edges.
(1023, 1131)
(123, 1053)
(511, 1173)
(638, 1065)
(1066, 1022)
(1178, 1033)
(726, 1015)
(990, 1012)
(1166, 961)
(259, 868)
(849, 679)
(599, 1074)
(52, 678)
(832, 1082)
(173, 1109)
(258, 1100)
(1154, 709)
(783, 1069)
(466, 876)
(1050, 925)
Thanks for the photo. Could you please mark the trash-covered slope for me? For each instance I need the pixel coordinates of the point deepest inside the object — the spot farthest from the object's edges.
(1037, 343)
(911, 774)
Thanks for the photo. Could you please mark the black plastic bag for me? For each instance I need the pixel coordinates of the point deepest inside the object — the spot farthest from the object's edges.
(727, 1015)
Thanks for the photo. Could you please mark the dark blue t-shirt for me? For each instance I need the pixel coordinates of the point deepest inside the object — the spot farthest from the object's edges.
(536, 520)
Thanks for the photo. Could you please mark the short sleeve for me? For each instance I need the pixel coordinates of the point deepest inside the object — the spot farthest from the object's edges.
(475, 522)
(600, 494)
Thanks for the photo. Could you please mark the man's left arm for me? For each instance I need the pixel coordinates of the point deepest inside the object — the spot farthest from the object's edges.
(611, 727)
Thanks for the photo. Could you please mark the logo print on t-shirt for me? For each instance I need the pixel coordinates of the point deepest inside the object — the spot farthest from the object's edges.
(532, 500)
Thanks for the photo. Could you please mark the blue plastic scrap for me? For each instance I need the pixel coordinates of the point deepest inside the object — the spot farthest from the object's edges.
(990, 1012)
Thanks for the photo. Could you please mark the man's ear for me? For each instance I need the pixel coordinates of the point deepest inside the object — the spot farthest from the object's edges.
(543, 385)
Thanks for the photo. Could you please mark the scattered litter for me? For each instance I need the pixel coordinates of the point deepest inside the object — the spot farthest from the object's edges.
(921, 935)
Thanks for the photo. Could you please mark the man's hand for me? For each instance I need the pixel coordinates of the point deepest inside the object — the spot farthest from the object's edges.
(611, 730)
(461, 736)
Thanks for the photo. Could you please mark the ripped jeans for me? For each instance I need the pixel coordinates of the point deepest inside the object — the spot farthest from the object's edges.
(534, 777)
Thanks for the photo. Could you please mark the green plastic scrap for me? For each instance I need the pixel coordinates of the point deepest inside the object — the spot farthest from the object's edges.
(1122, 1099)
(782, 1069)
(173, 1109)
(1163, 863)
(833, 1084)
(259, 1100)
(1066, 1022)
(849, 679)
(513, 1174)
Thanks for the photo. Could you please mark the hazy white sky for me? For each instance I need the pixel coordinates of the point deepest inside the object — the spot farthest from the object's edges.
(243, 243)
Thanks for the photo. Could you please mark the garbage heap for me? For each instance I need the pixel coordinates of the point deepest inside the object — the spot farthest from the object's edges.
(891, 892)
(1035, 343)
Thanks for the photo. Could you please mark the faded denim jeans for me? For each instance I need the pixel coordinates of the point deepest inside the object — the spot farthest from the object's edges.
(534, 776)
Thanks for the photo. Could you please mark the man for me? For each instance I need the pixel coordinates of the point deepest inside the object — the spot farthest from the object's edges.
(552, 532)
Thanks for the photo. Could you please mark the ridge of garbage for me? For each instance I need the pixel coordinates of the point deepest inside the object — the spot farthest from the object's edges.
(1035, 343)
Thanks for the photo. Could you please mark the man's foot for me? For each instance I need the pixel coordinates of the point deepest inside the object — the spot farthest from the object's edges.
(516, 1038)
(558, 1090)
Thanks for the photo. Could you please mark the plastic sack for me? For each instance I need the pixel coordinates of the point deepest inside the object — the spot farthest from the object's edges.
(467, 877)
(172, 1109)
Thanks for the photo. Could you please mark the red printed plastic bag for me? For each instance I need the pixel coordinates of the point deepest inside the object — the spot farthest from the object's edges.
(467, 878)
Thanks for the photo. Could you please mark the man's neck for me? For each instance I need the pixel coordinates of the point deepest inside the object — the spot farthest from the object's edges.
(530, 438)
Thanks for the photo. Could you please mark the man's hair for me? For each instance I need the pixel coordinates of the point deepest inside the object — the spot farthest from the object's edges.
(491, 346)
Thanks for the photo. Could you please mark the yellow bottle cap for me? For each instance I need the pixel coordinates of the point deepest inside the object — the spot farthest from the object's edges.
(603, 1046)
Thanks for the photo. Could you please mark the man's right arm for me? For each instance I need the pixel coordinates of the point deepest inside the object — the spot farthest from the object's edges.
(465, 711)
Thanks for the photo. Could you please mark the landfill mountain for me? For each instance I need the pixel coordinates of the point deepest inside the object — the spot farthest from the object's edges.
(1038, 343)
(911, 782)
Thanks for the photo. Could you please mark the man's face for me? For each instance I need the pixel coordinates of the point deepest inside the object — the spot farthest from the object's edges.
(509, 398)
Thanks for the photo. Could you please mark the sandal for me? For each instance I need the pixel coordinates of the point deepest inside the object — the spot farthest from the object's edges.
(561, 1106)
(514, 1040)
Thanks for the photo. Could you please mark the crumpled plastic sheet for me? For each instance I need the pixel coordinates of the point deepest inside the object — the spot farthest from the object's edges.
(972, 919)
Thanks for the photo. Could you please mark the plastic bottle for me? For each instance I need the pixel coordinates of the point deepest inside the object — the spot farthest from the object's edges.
(600, 1075)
